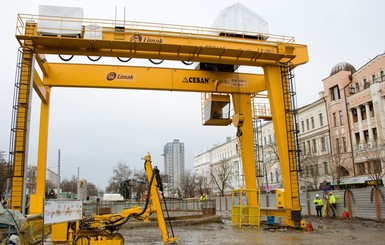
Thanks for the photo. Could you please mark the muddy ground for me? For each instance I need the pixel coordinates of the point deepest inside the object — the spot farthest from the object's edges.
(220, 231)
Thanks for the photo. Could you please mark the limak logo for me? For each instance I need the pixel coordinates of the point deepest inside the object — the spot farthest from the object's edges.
(140, 39)
(113, 75)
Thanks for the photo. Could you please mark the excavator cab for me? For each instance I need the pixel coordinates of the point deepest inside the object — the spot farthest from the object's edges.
(216, 110)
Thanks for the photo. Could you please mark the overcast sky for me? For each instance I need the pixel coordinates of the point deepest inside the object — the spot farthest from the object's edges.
(97, 128)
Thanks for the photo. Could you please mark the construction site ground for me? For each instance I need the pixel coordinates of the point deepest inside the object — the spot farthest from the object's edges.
(218, 230)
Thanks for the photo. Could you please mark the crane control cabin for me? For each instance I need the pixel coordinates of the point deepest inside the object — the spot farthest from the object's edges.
(217, 52)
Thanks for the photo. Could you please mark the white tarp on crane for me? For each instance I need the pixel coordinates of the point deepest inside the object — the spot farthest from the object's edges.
(11, 217)
(240, 18)
(57, 20)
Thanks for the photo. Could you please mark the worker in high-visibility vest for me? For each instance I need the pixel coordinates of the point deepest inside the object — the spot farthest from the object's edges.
(318, 205)
(203, 200)
(332, 203)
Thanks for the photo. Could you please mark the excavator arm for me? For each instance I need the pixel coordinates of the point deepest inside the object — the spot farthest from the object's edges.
(102, 228)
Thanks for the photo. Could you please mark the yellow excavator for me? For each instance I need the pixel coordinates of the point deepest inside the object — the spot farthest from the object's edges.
(103, 229)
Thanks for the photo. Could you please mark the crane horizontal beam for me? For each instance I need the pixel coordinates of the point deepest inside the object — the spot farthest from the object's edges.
(170, 79)
(156, 42)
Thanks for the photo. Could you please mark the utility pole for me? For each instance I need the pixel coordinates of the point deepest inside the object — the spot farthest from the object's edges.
(58, 175)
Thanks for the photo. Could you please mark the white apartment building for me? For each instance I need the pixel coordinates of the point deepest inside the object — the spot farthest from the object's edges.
(314, 143)
(223, 158)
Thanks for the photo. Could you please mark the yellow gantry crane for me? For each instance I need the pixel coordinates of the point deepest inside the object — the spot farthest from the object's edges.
(218, 53)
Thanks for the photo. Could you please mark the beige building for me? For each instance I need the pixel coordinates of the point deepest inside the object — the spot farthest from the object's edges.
(356, 112)
(366, 110)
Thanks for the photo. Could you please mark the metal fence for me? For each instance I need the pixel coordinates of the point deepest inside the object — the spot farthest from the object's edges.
(175, 207)
(366, 203)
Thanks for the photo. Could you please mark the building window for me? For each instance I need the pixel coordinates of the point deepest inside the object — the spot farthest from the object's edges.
(382, 74)
(276, 176)
(314, 145)
(354, 115)
(374, 78)
(335, 119)
(312, 122)
(371, 111)
(345, 146)
(303, 126)
(304, 148)
(308, 146)
(361, 168)
(271, 177)
(335, 92)
(366, 136)
(375, 136)
(357, 87)
(357, 136)
(321, 121)
(264, 140)
(374, 167)
(307, 124)
(363, 112)
(338, 145)
(323, 144)
(312, 170)
(270, 139)
(316, 169)
(366, 84)
(326, 169)
(341, 118)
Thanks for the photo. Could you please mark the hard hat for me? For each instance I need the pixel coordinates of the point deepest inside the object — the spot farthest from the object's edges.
(14, 239)
(316, 195)
(331, 193)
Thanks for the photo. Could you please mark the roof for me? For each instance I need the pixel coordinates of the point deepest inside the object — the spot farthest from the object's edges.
(342, 66)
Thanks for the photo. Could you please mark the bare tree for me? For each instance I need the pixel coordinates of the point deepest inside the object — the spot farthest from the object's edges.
(91, 189)
(221, 175)
(5, 174)
(202, 184)
(189, 184)
(31, 179)
(120, 173)
(310, 177)
(339, 165)
(374, 157)
(270, 160)
(69, 185)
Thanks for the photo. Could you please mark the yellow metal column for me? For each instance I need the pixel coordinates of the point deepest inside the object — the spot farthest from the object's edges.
(21, 129)
(36, 200)
(243, 120)
(283, 126)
